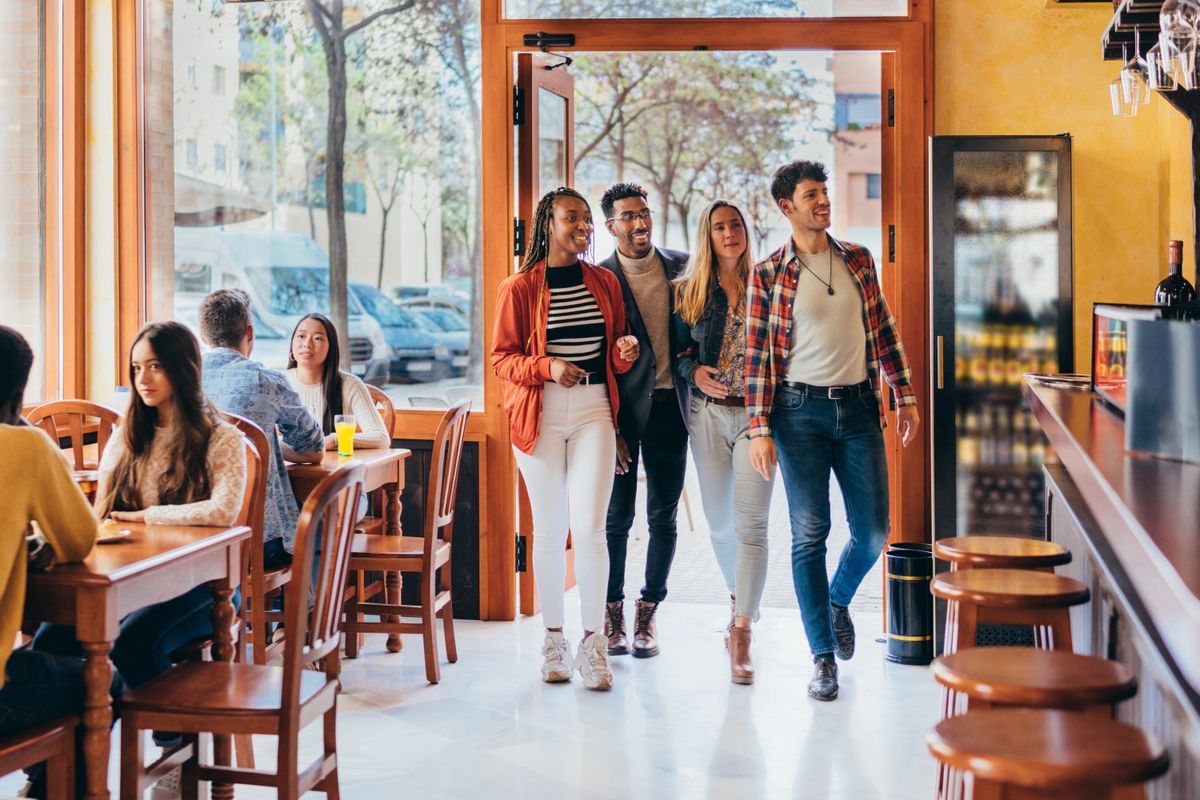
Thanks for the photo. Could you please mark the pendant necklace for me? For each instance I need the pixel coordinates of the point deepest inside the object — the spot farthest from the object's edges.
(828, 283)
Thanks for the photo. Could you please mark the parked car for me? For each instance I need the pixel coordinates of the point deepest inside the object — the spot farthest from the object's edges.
(449, 303)
(417, 353)
(286, 275)
(450, 327)
(459, 342)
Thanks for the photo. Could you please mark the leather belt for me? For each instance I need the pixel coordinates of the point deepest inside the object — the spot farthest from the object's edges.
(732, 402)
(829, 392)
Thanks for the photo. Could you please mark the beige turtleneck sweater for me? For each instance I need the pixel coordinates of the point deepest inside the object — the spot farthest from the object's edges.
(652, 293)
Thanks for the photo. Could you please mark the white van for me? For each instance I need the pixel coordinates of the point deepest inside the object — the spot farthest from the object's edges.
(286, 275)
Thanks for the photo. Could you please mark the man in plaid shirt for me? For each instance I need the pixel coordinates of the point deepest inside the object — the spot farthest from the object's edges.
(818, 332)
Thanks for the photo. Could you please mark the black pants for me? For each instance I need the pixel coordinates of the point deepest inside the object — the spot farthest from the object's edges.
(664, 448)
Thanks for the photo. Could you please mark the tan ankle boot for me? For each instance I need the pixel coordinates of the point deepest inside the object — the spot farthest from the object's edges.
(741, 668)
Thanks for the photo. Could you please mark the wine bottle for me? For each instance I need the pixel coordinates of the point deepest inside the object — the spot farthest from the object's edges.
(1174, 289)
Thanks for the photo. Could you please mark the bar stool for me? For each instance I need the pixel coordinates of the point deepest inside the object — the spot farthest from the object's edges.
(1008, 597)
(1039, 753)
(1000, 552)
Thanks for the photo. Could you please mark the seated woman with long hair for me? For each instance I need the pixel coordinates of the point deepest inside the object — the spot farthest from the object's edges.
(326, 391)
(173, 461)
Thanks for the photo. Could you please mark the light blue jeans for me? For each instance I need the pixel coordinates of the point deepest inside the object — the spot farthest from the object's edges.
(735, 497)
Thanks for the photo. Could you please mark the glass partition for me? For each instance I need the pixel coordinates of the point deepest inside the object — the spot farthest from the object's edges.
(667, 9)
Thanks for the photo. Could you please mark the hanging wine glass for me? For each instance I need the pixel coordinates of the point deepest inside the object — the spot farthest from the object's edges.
(1178, 21)
(1160, 77)
(1122, 105)
(1135, 75)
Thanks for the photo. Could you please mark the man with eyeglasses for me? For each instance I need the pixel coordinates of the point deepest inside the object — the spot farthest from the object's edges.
(650, 419)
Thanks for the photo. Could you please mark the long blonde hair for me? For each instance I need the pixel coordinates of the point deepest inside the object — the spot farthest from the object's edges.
(694, 287)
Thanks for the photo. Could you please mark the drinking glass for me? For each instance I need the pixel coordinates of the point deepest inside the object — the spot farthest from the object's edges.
(1135, 75)
(1160, 68)
(1121, 107)
(345, 426)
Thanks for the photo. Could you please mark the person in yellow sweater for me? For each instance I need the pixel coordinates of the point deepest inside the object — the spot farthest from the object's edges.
(37, 487)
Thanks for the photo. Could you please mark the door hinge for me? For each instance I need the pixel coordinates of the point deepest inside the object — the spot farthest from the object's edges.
(518, 106)
(891, 108)
(891, 244)
(518, 237)
(521, 565)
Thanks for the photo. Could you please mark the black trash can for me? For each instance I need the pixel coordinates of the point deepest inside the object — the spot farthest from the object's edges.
(909, 603)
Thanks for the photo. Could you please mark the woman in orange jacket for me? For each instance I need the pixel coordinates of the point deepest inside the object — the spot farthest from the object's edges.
(558, 344)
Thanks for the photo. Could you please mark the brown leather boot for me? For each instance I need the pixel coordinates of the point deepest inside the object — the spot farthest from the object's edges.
(741, 668)
(645, 632)
(614, 628)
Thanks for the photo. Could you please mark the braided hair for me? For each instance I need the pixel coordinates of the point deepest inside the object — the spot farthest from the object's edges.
(539, 235)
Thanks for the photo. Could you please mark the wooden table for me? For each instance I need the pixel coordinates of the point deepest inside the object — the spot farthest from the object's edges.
(384, 470)
(157, 563)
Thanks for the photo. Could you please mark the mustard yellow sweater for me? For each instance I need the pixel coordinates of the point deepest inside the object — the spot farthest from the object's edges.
(38, 487)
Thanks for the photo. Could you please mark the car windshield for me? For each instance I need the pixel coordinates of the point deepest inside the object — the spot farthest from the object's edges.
(294, 291)
(446, 320)
(383, 309)
(426, 324)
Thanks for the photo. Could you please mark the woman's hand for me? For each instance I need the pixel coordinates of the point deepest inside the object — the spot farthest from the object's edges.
(706, 381)
(564, 373)
(628, 348)
(129, 516)
(331, 442)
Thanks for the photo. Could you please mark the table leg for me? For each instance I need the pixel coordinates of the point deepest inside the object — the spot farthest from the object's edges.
(97, 717)
(392, 583)
(223, 650)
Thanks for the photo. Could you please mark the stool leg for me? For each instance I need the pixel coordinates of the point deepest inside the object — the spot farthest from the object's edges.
(1059, 623)
(968, 625)
(949, 640)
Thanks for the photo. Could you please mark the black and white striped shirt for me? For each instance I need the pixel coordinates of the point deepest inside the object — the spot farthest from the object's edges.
(575, 331)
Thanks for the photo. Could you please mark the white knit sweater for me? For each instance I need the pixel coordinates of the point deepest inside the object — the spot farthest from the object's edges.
(356, 400)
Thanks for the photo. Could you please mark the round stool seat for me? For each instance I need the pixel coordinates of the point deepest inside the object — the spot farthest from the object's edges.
(1009, 588)
(1047, 749)
(1026, 676)
(1001, 552)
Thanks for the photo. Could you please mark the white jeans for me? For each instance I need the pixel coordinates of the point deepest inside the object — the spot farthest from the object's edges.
(569, 478)
(735, 497)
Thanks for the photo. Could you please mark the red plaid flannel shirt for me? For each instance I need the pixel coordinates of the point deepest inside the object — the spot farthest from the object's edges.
(769, 302)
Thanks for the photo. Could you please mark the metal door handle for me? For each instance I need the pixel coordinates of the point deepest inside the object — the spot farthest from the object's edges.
(940, 360)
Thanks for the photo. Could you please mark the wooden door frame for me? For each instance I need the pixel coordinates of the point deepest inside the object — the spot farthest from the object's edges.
(911, 41)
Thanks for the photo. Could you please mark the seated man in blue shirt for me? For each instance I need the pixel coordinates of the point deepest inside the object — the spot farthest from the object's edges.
(240, 386)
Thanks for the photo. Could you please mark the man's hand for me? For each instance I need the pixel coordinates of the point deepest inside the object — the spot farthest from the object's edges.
(564, 373)
(623, 457)
(706, 381)
(628, 348)
(907, 420)
(762, 456)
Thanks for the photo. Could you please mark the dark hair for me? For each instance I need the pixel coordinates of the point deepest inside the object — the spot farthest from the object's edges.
(186, 479)
(783, 183)
(331, 376)
(621, 191)
(224, 317)
(16, 360)
(539, 235)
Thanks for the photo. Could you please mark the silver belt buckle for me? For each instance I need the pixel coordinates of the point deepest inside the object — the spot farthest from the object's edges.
(586, 380)
(837, 392)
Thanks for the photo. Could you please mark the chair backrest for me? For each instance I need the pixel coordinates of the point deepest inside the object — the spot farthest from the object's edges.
(66, 419)
(254, 504)
(443, 473)
(325, 532)
(387, 409)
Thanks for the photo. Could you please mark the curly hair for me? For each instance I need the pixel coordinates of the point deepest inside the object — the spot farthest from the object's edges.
(621, 191)
(787, 177)
(539, 235)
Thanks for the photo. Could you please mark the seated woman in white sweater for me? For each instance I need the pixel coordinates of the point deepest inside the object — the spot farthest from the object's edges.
(326, 390)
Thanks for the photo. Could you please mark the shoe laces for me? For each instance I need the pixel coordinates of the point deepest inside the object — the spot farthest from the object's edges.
(645, 614)
(616, 619)
(556, 647)
(826, 668)
(596, 650)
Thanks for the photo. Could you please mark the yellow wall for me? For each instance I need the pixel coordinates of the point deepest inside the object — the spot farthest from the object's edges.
(1022, 67)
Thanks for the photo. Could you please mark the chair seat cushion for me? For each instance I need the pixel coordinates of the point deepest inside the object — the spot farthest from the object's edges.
(221, 688)
(372, 546)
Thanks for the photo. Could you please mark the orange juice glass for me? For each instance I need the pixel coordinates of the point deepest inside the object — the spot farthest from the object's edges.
(345, 426)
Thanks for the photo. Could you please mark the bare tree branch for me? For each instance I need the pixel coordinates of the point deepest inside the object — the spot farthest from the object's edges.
(367, 20)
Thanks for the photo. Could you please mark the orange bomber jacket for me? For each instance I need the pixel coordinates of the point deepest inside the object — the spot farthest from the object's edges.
(519, 344)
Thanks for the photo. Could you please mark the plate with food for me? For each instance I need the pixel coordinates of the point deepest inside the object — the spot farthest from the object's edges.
(109, 532)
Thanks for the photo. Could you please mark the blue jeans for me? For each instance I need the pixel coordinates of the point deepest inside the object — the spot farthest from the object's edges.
(813, 436)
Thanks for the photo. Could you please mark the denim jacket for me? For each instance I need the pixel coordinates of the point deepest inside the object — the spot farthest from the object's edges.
(707, 335)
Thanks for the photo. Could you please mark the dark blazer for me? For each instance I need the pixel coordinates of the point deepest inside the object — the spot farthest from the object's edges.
(636, 386)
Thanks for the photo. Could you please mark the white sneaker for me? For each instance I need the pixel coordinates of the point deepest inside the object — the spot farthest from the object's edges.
(167, 787)
(556, 668)
(592, 662)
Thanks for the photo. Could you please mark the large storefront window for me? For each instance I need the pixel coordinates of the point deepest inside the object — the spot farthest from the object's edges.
(22, 207)
(240, 149)
(687, 9)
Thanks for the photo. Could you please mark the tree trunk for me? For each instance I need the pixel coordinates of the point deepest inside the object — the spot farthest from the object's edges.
(387, 211)
(335, 200)
(425, 245)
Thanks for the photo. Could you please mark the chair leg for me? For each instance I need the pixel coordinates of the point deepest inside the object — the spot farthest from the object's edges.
(243, 747)
(60, 770)
(189, 779)
(133, 758)
(353, 614)
(392, 597)
(330, 784)
(429, 630)
(448, 625)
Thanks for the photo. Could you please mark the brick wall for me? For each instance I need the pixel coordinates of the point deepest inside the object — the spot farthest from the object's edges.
(21, 169)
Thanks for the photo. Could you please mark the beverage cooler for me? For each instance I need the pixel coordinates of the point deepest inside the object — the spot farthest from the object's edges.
(1000, 242)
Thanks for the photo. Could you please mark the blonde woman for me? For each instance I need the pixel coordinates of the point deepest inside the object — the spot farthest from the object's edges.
(711, 302)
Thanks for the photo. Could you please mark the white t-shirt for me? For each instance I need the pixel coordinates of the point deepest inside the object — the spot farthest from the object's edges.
(356, 400)
(829, 342)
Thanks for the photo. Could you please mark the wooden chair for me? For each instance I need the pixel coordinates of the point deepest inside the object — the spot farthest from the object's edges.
(52, 741)
(1008, 597)
(67, 419)
(227, 698)
(428, 554)
(386, 408)
(1039, 754)
(1000, 552)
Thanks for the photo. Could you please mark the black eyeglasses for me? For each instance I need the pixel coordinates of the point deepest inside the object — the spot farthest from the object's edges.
(629, 216)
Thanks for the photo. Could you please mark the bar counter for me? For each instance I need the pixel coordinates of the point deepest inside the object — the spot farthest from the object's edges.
(1132, 523)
